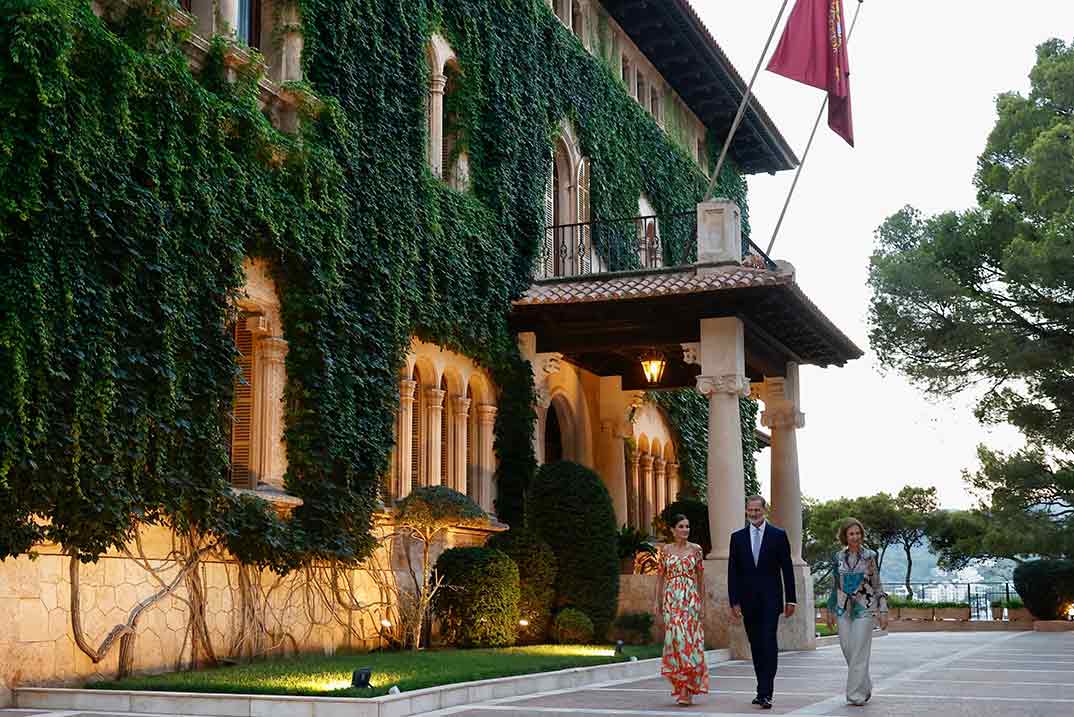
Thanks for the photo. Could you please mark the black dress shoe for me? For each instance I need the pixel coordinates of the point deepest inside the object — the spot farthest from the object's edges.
(766, 704)
(757, 700)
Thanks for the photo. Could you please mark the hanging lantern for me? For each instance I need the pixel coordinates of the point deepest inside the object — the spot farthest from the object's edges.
(653, 365)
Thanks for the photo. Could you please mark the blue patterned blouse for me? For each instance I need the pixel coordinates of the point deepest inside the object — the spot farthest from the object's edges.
(856, 584)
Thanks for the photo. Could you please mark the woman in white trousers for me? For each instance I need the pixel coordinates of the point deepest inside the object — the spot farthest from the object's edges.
(857, 601)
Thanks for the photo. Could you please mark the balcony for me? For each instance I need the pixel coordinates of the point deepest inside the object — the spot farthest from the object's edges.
(642, 243)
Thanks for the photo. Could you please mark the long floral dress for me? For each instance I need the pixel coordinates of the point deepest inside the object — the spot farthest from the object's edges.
(684, 637)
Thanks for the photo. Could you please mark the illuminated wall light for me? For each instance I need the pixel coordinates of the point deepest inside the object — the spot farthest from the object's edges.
(653, 365)
(524, 622)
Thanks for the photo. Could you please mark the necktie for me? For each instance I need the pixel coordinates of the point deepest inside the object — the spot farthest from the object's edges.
(756, 532)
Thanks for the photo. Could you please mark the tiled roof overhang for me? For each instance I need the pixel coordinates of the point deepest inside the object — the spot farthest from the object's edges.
(682, 49)
(613, 313)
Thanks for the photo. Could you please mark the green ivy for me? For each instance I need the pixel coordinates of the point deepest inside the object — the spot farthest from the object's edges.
(131, 189)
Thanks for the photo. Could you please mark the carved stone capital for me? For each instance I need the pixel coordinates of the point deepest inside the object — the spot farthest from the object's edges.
(273, 349)
(406, 390)
(783, 415)
(486, 414)
(691, 353)
(659, 464)
(435, 398)
(437, 83)
(257, 324)
(548, 364)
(461, 405)
(732, 384)
(646, 461)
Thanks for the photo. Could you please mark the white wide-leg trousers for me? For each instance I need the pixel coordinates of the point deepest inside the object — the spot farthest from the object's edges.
(856, 639)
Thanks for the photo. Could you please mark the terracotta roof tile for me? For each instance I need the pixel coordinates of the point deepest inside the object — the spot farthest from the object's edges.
(605, 287)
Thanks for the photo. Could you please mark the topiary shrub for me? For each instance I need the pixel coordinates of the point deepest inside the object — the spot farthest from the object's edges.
(634, 628)
(1046, 587)
(572, 627)
(477, 603)
(536, 581)
(698, 515)
(570, 509)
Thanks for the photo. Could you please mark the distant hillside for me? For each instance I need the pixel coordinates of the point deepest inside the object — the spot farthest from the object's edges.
(893, 569)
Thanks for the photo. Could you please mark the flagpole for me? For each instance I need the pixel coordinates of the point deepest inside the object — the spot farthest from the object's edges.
(809, 145)
(742, 105)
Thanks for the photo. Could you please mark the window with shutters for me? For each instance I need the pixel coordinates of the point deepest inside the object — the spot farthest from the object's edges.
(585, 230)
(445, 434)
(249, 24)
(702, 158)
(627, 70)
(563, 11)
(417, 436)
(655, 99)
(452, 159)
(578, 22)
(642, 96)
(241, 440)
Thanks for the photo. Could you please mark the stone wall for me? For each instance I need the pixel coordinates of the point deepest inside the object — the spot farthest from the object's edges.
(37, 645)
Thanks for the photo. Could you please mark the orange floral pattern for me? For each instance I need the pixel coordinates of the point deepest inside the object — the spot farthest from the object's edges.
(684, 637)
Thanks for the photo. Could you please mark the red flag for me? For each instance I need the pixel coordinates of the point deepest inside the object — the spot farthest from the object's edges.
(813, 50)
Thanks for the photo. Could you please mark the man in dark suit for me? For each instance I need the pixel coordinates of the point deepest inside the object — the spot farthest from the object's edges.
(760, 554)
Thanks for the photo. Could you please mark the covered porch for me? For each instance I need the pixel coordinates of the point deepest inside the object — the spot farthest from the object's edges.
(731, 323)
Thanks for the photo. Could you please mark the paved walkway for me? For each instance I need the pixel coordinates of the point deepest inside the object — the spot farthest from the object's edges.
(947, 674)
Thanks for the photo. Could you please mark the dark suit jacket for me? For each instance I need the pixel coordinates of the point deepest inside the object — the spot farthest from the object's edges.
(756, 588)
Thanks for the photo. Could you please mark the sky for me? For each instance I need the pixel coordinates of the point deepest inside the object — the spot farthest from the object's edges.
(924, 77)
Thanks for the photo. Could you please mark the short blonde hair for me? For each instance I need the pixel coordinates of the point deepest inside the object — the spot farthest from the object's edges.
(846, 525)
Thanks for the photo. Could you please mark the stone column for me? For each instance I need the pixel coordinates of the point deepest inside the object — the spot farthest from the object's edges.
(648, 492)
(660, 479)
(673, 481)
(486, 459)
(404, 453)
(435, 407)
(613, 468)
(460, 406)
(721, 353)
(437, 83)
(636, 490)
(783, 417)
(272, 377)
(227, 12)
(291, 43)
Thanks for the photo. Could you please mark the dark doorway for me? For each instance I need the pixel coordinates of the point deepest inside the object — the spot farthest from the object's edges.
(553, 438)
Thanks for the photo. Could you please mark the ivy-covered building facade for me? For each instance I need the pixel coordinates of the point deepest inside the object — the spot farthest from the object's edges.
(283, 261)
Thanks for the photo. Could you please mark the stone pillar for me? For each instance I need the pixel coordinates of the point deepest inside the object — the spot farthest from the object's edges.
(486, 459)
(719, 232)
(291, 43)
(404, 453)
(673, 482)
(721, 353)
(437, 83)
(636, 490)
(460, 406)
(783, 417)
(661, 481)
(613, 468)
(435, 407)
(227, 12)
(272, 378)
(648, 492)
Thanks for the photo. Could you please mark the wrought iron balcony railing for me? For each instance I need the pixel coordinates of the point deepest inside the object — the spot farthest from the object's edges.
(632, 244)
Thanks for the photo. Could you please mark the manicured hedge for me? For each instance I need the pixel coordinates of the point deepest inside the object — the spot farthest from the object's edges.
(698, 515)
(1046, 587)
(477, 603)
(572, 627)
(634, 628)
(536, 581)
(571, 510)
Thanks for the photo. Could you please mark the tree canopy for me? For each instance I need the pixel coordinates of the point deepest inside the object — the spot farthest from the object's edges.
(984, 298)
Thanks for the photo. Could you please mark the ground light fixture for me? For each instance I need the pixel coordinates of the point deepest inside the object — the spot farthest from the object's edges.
(618, 647)
(653, 365)
(1070, 612)
(360, 678)
(523, 622)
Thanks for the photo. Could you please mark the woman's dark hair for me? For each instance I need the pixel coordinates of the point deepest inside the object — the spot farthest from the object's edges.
(677, 518)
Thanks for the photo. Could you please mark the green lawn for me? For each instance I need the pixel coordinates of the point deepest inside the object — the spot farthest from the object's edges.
(331, 676)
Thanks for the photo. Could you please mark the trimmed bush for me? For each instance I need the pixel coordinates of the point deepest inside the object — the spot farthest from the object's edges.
(698, 515)
(1012, 604)
(925, 604)
(478, 601)
(634, 628)
(570, 509)
(572, 627)
(536, 581)
(1046, 587)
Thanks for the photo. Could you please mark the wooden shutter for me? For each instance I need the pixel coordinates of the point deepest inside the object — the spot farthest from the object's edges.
(416, 445)
(548, 250)
(585, 229)
(242, 409)
(445, 446)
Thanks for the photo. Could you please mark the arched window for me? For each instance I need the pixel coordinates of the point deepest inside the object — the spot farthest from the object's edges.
(560, 235)
(578, 22)
(628, 75)
(585, 229)
(643, 95)
(417, 436)
(453, 157)
(553, 436)
(248, 29)
(650, 252)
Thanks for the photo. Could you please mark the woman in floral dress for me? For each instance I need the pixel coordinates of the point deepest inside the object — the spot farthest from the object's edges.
(681, 607)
